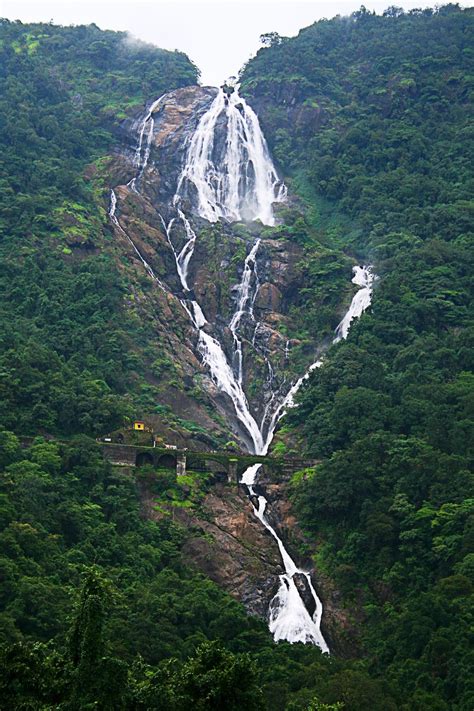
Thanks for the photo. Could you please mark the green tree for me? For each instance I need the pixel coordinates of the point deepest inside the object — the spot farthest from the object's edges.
(99, 681)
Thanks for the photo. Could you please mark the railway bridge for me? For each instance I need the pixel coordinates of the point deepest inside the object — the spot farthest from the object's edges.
(224, 464)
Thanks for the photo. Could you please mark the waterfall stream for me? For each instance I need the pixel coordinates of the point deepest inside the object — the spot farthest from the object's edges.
(244, 303)
(289, 617)
(363, 277)
(236, 180)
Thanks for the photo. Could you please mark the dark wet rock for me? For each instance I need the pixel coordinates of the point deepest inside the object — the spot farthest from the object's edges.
(301, 582)
(254, 501)
(268, 298)
(296, 107)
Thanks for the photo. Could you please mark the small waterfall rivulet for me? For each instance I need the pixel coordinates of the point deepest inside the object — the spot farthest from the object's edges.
(234, 180)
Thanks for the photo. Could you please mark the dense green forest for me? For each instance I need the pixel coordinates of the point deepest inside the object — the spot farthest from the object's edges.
(98, 607)
(63, 94)
(369, 118)
(390, 414)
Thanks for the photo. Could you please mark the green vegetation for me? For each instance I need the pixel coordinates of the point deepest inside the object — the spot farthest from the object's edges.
(98, 608)
(369, 118)
(67, 341)
(169, 491)
(374, 113)
(315, 308)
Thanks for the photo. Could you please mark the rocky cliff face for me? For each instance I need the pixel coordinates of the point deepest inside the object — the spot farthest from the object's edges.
(226, 543)
(297, 110)
(194, 276)
(215, 270)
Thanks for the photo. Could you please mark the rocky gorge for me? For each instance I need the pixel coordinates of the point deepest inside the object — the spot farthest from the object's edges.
(199, 204)
(277, 342)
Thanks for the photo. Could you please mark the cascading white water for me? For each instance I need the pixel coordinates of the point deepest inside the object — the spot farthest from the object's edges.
(363, 277)
(289, 617)
(184, 256)
(244, 303)
(138, 160)
(141, 161)
(239, 182)
(234, 179)
(211, 350)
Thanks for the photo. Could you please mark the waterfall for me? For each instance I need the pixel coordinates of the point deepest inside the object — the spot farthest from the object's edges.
(363, 277)
(235, 179)
(141, 161)
(209, 347)
(244, 303)
(289, 617)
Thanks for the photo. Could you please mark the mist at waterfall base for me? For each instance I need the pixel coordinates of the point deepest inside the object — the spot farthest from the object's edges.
(237, 181)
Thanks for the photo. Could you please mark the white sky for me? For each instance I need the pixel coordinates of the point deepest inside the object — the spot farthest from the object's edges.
(218, 35)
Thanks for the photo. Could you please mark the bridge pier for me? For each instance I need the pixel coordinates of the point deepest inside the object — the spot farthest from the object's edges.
(232, 473)
(181, 464)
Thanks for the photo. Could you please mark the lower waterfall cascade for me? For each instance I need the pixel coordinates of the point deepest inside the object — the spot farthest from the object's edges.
(238, 183)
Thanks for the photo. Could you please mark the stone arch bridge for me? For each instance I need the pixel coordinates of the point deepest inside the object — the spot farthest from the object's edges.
(225, 465)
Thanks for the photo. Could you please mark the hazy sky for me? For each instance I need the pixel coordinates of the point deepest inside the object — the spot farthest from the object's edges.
(218, 35)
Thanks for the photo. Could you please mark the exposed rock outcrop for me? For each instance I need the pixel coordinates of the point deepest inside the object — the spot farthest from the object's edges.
(227, 543)
(145, 208)
(200, 271)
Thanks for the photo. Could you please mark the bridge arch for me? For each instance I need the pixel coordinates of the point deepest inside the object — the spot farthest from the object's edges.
(143, 459)
(166, 461)
(196, 464)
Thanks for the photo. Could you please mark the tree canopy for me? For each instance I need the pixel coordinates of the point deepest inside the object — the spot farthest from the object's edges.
(374, 113)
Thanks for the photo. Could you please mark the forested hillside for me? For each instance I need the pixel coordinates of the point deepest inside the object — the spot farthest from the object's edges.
(369, 119)
(98, 608)
(374, 115)
(67, 356)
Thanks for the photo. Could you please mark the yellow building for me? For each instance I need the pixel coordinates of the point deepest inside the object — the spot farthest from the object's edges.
(137, 425)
